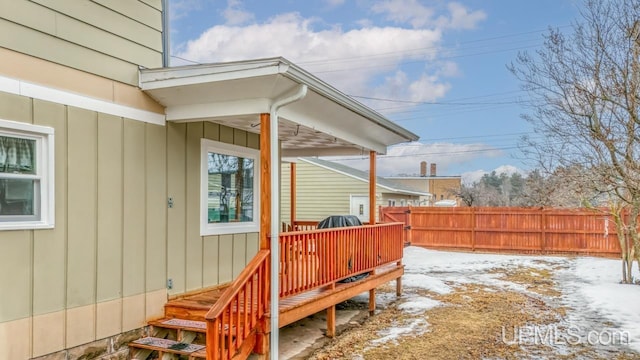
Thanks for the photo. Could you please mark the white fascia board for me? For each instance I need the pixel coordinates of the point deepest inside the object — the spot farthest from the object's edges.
(41, 92)
(317, 124)
(176, 77)
(218, 109)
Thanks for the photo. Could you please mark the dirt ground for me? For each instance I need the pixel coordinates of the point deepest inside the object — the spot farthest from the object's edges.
(474, 321)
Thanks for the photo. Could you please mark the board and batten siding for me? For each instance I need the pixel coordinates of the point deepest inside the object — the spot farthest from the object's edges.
(322, 192)
(103, 37)
(102, 270)
(195, 261)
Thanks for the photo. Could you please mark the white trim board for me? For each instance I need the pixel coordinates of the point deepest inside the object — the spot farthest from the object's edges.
(40, 92)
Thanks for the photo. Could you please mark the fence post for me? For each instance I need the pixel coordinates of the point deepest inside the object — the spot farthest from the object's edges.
(473, 229)
(543, 234)
(409, 230)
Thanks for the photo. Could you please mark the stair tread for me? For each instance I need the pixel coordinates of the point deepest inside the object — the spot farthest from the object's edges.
(154, 343)
(176, 323)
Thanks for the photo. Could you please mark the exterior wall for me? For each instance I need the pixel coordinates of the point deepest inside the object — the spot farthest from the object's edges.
(438, 186)
(441, 188)
(321, 192)
(400, 199)
(194, 261)
(102, 270)
(102, 37)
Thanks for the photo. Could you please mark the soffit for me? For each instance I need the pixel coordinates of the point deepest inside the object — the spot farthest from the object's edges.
(324, 122)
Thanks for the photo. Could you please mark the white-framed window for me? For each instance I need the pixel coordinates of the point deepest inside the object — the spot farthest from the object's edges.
(230, 190)
(26, 176)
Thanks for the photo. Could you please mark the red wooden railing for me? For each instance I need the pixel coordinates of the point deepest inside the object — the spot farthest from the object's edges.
(311, 259)
(308, 260)
(239, 310)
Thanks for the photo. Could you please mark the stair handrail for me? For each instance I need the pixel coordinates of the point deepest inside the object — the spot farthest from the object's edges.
(251, 285)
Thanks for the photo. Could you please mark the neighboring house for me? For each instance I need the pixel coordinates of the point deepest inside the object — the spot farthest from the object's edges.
(325, 188)
(111, 197)
(442, 188)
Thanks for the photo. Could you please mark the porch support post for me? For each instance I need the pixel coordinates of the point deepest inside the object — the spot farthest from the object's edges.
(372, 187)
(265, 181)
(331, 321)
(372, 301)
(293, 195)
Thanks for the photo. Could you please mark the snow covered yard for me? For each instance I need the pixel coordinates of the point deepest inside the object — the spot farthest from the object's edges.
(490, 306)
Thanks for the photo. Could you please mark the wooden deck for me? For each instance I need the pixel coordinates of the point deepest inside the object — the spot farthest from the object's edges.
(318, 269)
(292, 308)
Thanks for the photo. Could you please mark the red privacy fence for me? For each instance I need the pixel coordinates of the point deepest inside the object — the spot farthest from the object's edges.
(529, 230)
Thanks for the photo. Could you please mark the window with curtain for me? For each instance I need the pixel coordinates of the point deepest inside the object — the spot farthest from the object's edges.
(19, 192)
(26, 186)
(229, 188)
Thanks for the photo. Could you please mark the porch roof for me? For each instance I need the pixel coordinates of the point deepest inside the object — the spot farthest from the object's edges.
(324, 122)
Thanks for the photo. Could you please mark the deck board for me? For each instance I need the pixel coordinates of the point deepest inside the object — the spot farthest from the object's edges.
(292, 308)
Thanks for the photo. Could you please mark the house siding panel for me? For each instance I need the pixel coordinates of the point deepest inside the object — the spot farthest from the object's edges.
(134, 235)
(195, 132)
(49, 261)
(28, 41)
(82, 207)
(195, 261)
(109, 39)
(176, 215)
(110, 207)
(156, 210)
(78, 269)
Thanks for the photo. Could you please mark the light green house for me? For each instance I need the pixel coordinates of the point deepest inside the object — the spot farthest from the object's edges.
(325, 188)
(106, 187)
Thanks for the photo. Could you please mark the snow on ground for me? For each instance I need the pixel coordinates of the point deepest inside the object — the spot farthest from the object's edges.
(590, 288)
(593, 283)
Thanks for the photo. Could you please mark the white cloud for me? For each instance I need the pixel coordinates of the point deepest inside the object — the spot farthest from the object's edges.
(420, 16)
(406, 158)
(235, 15)
(328, 52)
(405, 11)
(461, 18)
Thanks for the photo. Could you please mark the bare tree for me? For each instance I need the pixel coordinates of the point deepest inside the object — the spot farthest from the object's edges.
(584, 96)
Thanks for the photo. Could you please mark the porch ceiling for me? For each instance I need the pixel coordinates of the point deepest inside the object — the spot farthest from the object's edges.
(324, 122)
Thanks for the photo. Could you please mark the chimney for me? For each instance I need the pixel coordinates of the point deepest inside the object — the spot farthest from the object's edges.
(423, 168)
(433, 169)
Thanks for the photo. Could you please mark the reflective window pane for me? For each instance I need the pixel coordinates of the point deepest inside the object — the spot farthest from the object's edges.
(17, 197)
(229, 189)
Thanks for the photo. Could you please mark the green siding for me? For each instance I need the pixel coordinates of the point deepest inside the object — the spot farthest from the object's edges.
(82, 207)
(156, 210)
(195, 261)
(322, 192)
(49, 276)
(107, 38)
(109, 239)
(134, 236)
(110, 207)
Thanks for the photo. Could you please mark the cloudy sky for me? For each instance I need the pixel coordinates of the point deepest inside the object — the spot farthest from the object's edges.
(437, 67)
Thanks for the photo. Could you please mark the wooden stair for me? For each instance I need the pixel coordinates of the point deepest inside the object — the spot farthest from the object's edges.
(181, 332)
